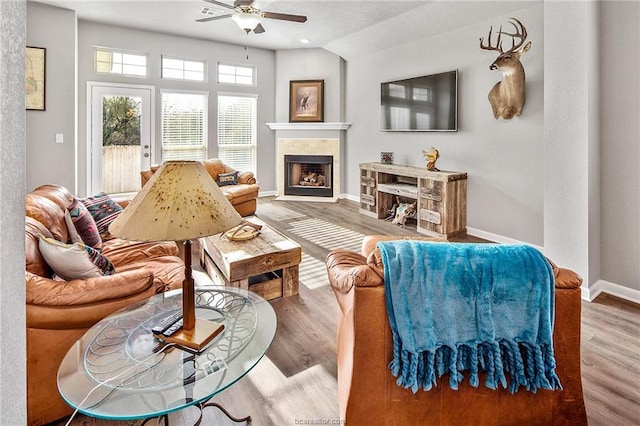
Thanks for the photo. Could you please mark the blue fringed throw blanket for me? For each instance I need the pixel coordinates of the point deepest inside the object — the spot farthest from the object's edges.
(457, 307)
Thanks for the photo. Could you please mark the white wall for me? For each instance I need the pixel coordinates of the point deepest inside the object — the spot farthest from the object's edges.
(91, 34)
(503, 159)
(570, 128)
(54, 29)
(13, 397)
(620, 132)
(310, 64)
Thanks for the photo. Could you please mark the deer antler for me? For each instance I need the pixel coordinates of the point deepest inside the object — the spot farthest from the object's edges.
(521, 33)
(498, 45)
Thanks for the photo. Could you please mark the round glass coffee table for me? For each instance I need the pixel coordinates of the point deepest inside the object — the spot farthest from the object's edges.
(119, 371)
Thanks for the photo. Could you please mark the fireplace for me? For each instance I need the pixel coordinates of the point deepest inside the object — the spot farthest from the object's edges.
(319, 157)
(308, 175)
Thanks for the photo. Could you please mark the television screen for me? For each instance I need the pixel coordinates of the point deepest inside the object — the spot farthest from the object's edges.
(427, 103)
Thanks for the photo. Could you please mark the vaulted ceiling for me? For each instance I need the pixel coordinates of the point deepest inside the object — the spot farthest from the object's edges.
(345, 27)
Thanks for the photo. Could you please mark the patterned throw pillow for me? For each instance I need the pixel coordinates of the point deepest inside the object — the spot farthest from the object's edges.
(104, 211)
(230, 178)
(85, 224)
(74, 261)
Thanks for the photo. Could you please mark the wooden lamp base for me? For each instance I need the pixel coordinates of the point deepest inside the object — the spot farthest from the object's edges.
(197, 338)
(195, 333)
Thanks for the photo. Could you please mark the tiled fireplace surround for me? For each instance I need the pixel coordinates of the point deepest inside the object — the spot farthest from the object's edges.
(309, 147)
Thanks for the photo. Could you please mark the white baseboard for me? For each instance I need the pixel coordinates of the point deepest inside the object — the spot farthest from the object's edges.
(355, 198)
(603, 286)
(349, 197)
(498, 238)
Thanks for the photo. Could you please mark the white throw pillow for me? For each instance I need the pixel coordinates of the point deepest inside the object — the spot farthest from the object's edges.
(74, 261)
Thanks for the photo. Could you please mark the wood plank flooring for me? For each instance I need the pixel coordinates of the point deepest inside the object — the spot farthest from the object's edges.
(296, 381)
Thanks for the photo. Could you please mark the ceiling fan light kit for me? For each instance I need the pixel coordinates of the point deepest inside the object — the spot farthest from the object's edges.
(248, 17)
(245, 21)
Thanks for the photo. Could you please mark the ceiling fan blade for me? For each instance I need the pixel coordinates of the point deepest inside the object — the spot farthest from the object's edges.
(213, 18)
(219, 3)
(259, 29)
(284, 17)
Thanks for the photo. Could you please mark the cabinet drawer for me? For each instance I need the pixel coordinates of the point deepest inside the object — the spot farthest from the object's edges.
(430, 216)
(368, 181)
(434, 194)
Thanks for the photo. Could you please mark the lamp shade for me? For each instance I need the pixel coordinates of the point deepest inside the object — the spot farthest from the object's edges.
(180, 202)
(246, 21)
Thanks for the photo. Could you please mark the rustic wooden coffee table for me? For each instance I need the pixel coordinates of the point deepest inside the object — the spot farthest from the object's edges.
(266, 264)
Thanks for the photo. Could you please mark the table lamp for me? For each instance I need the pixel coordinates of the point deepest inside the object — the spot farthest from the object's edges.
(180, 202)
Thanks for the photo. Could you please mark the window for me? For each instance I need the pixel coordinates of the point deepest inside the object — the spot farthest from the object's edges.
(397, 90)
(237, 119)
(236, 74)
(109, 61)
(184, 126)
(183, 69)
(422, 94)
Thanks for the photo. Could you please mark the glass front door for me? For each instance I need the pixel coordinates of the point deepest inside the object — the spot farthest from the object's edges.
(120, 138)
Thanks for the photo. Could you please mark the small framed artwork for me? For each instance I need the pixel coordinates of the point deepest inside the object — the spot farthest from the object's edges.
(386, 157)
(35, 78)
(306, 100)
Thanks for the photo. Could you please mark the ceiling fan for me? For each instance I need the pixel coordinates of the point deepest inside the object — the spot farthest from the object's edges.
(248, 17)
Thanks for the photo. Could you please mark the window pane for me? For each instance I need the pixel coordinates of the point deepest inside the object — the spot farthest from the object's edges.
(190, 75)
(103, 66)
(134, 70)
(184, 123)
(183, 69)
(244, 80)
(171, 73)
(237, 131)
(134, 59)
(194, 66)
(224, 78)
(114, 62)
(103, 56)
(236, 75)
(244, 71)
(226, 69)
(171, 63)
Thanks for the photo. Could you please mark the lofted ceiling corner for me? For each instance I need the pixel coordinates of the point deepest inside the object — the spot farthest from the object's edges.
(348, 28)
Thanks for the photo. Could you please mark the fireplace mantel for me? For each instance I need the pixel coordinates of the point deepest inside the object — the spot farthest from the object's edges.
(308, 126)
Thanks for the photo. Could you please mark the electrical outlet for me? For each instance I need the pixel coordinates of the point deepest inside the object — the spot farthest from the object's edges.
(59, 138)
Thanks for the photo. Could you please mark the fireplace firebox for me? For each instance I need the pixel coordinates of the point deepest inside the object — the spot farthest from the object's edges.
(308, 175)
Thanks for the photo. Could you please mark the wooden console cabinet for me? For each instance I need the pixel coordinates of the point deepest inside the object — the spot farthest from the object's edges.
(441, 196)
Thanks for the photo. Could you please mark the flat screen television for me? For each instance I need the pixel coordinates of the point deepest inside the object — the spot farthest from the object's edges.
(420, 104)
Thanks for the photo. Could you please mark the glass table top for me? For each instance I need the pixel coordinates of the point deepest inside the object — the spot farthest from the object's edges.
(118, 370)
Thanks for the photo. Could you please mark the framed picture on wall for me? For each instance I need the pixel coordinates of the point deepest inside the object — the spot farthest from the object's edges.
(35, 78)
(306, 100)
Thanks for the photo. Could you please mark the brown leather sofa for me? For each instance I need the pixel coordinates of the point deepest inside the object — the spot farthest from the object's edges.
(60, 312)
(368, 393)
(243, 196)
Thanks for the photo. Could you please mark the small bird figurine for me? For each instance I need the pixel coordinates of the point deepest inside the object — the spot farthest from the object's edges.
(431, 156)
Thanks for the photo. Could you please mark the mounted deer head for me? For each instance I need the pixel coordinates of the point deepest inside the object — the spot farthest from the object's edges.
(507, 96)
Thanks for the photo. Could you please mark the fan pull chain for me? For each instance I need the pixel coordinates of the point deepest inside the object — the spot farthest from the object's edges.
(246, 48)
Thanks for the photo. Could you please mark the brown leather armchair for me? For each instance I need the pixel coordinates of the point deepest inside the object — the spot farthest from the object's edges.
(60, 312)
(243, 196)
(368, 393)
